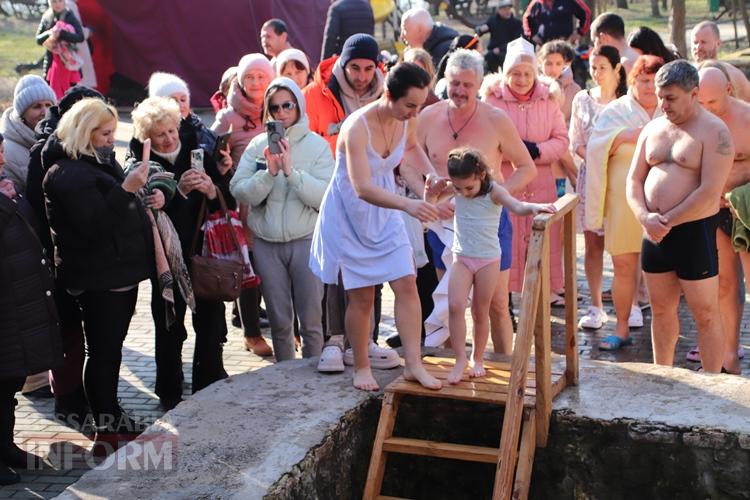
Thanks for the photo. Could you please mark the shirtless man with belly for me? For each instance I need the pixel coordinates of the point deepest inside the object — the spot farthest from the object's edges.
(714, 96)
(465, 121)
(681, 164)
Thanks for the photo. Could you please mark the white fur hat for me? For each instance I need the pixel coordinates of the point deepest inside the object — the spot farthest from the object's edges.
(519, 51)
(292, 55)
(165, 84)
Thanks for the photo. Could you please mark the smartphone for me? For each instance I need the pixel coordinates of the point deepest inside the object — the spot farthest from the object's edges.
(221, 144)
(260, 164)
(275, 131)
(196, 159)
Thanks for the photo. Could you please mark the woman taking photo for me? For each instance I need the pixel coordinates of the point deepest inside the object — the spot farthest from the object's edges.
(611, 83)
(158, 119)
(103, 247)
(284, 192)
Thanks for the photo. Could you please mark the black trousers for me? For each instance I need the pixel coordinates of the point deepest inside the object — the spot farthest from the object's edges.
(106, 318)
(210, 334)
(8, 389)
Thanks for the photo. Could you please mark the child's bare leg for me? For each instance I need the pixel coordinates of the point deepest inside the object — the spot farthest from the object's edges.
(357, 321)
(484, 289)
(458, 291)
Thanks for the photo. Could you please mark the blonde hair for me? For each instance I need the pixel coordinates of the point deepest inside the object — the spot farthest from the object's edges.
(79, 123)
(152, 111)
(421, 57)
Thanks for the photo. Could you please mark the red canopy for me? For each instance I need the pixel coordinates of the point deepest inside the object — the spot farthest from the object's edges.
(198, 40)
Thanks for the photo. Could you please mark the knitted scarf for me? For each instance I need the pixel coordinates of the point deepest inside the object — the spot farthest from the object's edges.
(246, 108)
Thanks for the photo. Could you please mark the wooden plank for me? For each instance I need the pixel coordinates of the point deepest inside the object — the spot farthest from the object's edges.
(453, 451)
(543, 346)
(509, 435)
(558, 384)
(525, 457)
(564, 205)
(449, 362)
(497, 398)
(432, 360)
(571, 300)
(377, 460)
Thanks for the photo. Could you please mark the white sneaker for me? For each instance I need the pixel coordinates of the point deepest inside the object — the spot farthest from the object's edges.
(380, 358)
(594, 318)
(331, 360)
(635, 320)
(437, 337)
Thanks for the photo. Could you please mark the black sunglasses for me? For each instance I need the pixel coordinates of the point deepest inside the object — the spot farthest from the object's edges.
(286, 106)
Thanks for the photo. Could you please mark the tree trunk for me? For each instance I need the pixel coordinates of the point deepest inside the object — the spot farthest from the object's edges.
(677, 26)
(664, 5)
(745, 20)
(621, 4)
(655, 8)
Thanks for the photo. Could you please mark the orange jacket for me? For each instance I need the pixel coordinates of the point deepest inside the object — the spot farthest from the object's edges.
(324, 111)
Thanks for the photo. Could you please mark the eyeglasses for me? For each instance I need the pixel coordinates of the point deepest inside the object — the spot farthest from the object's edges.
(286, 106)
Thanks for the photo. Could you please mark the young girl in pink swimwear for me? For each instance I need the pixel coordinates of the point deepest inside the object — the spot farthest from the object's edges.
(476, 252)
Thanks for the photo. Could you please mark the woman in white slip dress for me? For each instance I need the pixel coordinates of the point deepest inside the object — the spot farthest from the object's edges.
(359, 232)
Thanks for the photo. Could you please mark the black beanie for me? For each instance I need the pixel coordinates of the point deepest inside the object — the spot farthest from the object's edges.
(75, 94)
(360, 46)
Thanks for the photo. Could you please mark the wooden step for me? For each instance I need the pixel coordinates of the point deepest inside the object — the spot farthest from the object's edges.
(465, 452)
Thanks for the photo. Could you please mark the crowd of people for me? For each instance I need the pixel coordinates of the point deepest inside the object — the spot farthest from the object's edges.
(419, 174)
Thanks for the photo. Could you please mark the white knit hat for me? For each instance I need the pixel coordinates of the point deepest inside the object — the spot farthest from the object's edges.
(165, 84)
(31, 89)
(519, 51)
(254, 61)
(292, 55)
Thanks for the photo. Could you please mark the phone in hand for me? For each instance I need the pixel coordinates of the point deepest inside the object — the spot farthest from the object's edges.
(196, 159)
(221, 144)
(275, 132)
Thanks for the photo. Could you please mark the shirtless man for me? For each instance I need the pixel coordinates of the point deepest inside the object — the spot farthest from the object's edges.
(681, 163)
(714, 95)
(465, 121)
(705, 41)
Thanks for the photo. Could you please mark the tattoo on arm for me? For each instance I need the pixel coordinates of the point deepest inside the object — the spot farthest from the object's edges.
(724, 146)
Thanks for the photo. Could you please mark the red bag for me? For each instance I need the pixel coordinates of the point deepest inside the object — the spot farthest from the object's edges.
(219, 243)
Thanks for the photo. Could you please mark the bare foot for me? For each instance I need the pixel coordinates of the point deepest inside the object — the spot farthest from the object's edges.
(457, 372)
(476, 368)
(419, 374)
(364, 381)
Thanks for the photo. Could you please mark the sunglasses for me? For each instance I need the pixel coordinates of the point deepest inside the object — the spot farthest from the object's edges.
(286, 106)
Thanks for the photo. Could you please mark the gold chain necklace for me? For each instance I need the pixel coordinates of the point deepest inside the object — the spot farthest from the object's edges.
(382, 132)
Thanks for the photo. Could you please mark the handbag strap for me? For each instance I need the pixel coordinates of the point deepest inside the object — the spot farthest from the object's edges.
(204, 216)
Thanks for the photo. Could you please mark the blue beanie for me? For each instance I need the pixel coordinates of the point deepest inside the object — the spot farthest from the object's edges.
(360, 46)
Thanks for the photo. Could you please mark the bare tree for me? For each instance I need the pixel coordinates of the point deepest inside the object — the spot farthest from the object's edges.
(655, 8)
(621, 4)
(745, 20)
(677, 26)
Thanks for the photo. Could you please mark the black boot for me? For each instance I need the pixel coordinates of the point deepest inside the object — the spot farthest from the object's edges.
(10, 454)
(73, 408)
(8, 476)
(116, 434)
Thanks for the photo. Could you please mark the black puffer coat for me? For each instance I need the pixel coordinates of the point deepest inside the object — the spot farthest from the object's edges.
(49, 19)
(29, 328)
(346, 18)
(439, 41)
(102, 234)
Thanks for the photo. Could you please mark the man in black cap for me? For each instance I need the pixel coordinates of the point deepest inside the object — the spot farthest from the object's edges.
(341, 86)
(503, 28)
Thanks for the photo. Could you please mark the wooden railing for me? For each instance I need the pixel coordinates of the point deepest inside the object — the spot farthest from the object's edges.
(534, 323)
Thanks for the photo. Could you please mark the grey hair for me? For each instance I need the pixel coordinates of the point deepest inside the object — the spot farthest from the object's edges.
(708, 24)
(420, 15)
(465, 59)
(680, 73)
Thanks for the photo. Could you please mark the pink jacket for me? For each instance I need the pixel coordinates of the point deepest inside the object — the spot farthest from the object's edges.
(243, 118)
(538, 120)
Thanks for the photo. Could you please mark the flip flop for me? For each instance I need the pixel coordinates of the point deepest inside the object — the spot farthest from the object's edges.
(614, 342)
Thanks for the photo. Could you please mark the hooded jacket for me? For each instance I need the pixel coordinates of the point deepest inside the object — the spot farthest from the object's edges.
(18, 141)
(284, 208)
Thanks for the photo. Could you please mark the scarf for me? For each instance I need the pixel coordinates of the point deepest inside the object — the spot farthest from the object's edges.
(351, 101)
(171, 157)
(170, 264)
(246, 108)
(521, 97)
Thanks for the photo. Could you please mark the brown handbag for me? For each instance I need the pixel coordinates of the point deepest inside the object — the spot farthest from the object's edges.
(215, 279)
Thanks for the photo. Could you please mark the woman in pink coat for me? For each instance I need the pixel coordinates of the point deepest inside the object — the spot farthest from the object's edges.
(541, 125)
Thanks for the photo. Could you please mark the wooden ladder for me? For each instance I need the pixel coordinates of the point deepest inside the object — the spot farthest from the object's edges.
(525, 390)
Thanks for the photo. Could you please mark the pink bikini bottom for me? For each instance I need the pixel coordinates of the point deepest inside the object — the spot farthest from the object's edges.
(473, 264)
